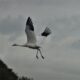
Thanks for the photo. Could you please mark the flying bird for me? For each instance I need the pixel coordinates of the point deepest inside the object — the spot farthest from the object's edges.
(31, 38)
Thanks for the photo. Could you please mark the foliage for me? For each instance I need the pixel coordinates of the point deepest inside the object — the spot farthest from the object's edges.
(8, 74)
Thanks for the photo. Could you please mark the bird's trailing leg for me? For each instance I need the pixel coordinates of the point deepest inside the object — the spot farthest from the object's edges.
(37, 55)
(41, 54)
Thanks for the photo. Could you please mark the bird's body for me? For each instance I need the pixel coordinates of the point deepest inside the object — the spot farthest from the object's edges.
(31, 38)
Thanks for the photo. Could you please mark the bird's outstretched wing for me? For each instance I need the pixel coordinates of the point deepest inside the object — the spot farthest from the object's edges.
(31, 38)
(46, 32)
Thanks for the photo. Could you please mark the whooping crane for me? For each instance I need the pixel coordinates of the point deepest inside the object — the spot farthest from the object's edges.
(31, 38)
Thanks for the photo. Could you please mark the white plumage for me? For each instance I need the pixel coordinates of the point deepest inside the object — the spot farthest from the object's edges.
(31, 38)
(29, 30)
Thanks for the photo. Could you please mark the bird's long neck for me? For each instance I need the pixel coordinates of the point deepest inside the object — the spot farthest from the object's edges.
(19, 45)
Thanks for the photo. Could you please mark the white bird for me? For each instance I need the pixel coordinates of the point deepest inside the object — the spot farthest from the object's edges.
(31, 38)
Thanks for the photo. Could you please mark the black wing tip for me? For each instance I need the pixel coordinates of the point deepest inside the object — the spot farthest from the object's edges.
(45, 34)
(30, 23)
(29, 18)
